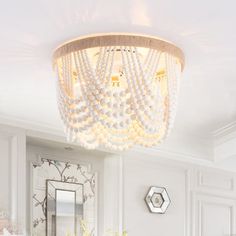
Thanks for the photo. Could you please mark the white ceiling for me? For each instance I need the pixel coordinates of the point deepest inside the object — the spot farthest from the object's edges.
(204, 29)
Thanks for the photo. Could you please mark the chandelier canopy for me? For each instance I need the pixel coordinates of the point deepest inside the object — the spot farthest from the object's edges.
(117, 90)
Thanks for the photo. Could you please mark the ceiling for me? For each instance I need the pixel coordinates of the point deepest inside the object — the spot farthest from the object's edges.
(204, 29)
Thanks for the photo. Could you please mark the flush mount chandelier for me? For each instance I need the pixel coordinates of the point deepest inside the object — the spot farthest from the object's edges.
(118, 90)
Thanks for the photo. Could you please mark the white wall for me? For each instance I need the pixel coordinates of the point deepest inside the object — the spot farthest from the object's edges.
(203, 199)
(139, 175)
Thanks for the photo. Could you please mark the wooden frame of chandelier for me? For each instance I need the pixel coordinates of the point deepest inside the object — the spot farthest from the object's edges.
(119, 39)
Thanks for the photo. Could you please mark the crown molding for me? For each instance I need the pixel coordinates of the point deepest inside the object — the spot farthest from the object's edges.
(174, 147)
(225, 142)
(30, 127)
(179, 146)
(225, 133)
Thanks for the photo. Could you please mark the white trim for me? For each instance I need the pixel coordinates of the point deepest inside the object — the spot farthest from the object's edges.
(187, 219)
(121, 195)
(30, 127)
(224, 130)
(96, 204)
(14, 178)
(17, 174)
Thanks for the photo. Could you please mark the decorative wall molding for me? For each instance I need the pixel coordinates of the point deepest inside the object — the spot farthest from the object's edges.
(188, 208)
(113, 194)
(224, 131)
(225, 142)
(214, 181)
(213, 202)
(201, 214)
(17, 174)
(31, 128)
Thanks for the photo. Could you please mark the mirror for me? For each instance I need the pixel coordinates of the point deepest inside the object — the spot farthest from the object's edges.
(64, 206)
(65, 212)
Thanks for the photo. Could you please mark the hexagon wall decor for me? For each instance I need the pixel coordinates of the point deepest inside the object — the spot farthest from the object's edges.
(157, 200)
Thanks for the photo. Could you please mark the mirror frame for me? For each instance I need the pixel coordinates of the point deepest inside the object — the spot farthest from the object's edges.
(72, 187)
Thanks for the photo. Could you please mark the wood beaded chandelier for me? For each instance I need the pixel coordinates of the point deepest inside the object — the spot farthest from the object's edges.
(117, 90)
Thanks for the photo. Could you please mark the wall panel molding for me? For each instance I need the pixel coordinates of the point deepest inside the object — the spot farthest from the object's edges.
(188, 208)
(215, 181)
(205, 208)
(17, 174)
